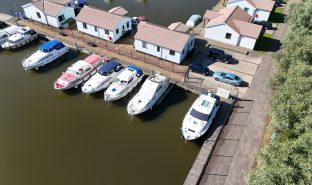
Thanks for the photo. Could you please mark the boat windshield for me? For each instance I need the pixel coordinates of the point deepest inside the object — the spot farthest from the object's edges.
(199, 115)
(14, 41)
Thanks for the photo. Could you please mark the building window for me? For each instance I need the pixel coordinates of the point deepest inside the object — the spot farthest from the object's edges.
(95, 28)
(117, 31)
(61, 18)
(84, 25)
(144, 44)
(38, 15)
(183, 51)
(158, 48)
(128, 24)
(246, 9)
(228, 35)
(171, 52)
(106, 32)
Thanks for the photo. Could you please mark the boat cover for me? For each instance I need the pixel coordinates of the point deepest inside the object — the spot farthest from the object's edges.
(50, 45)
(194, 18)
(108, 67)
(199, 115)
(139, 70)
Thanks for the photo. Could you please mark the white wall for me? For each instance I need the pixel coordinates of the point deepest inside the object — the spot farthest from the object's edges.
(164, 53)
(31, 13)
(218, 33)
(243, 5)
(247, 42)
(101, 31)
(262, 15)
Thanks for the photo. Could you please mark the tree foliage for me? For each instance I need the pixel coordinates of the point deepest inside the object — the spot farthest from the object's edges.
(288, 159)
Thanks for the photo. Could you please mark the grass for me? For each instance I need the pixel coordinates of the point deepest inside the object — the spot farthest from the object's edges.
(264, 42)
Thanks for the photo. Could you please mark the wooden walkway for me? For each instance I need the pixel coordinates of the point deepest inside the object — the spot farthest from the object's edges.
(207, 148)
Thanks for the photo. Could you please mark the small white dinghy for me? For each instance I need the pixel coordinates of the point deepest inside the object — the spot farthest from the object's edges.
(47, 53)
(22, 37)
(124, 83)
(200, 116)
(151, 91)
(103, 78)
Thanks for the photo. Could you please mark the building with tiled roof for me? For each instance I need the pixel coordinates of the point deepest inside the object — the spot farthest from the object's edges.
(108, 25)
(232, 26)
(259, 9)
(170, 44)
(50, 12)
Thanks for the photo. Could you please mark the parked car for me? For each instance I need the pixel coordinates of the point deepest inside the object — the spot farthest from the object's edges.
(136, 20)
(229, 78)
(2, 24)
(265, 24)
(199, 68)
(216, 53)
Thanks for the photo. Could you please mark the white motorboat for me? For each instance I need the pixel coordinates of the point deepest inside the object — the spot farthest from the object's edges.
(79, 72)
(22, 37)
(124, 83)
(47, 53)
(103, 78)
(200, 116)
(7, 32)
(151, 91)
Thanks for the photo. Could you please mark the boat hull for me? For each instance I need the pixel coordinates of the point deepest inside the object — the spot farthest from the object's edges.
(21, 43)
(47, 60)
(123, 93)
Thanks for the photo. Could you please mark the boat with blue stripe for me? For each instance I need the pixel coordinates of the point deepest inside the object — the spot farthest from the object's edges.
(48, 52)
(124, 83)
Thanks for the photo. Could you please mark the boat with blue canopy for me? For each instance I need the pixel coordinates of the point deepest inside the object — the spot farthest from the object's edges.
(124, 83)
(103, 78)
(48, 52)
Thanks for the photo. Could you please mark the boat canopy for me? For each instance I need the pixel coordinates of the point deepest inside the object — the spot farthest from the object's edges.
(199, 115)
(137, 69)
(108, 67)
(51, 45)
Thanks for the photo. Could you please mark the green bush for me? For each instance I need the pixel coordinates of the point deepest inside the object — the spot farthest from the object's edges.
(288, 159)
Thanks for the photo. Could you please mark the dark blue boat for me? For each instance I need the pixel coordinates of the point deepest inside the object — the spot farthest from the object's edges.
(109, 67)
(51, 45)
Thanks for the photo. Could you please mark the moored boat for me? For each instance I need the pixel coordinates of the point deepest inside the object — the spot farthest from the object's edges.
(47, 53)
(124, 83)
(79, 72)
(103, 78)
(7, 32)
(152, 90)
(22, 37)
(200, 116)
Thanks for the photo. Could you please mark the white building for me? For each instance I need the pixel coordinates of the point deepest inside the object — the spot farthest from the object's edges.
(231, 26)
(50, 12)
(259, 9)
(109, 25)
(163, 42)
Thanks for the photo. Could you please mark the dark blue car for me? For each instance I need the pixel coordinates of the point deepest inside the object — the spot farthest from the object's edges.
(199, 68)
(229, 78)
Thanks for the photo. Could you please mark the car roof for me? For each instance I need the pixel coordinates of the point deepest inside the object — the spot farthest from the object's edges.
(231, 75)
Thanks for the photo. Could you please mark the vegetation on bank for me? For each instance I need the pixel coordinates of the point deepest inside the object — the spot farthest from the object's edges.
(288, 158)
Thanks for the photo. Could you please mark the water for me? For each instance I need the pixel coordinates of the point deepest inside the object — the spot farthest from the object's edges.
(161, 12)
(50, 138)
